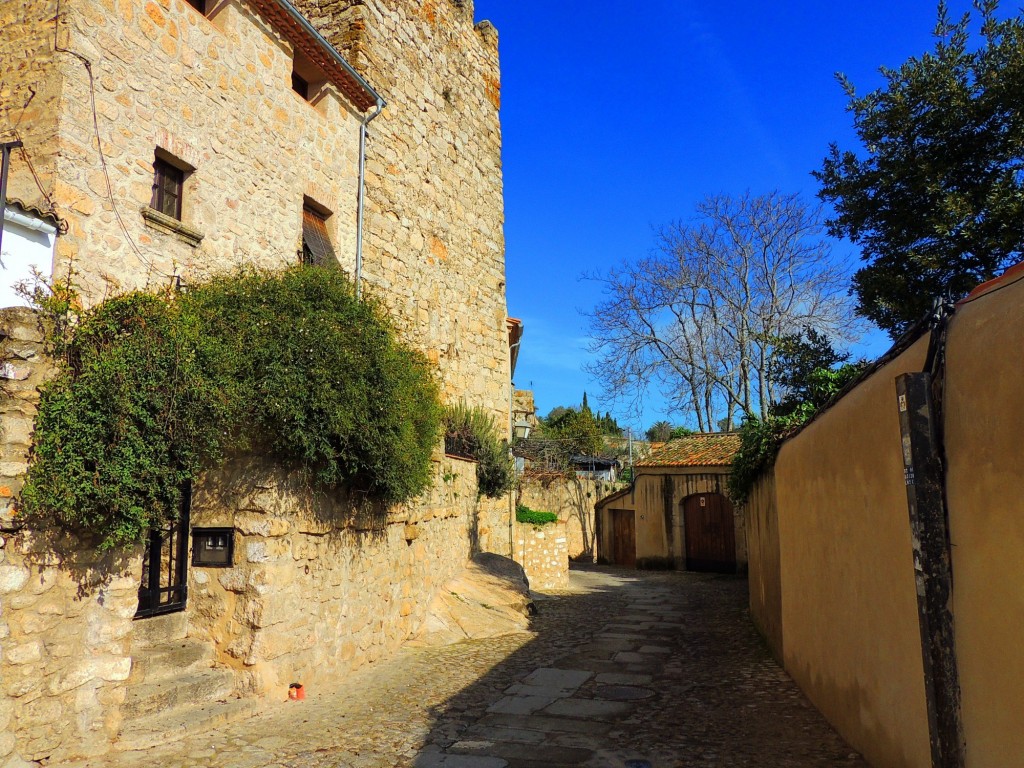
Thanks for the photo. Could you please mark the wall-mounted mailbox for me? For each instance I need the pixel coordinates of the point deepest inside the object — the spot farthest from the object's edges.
(213, 547)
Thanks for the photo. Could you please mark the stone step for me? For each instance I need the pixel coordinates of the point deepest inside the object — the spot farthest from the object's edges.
(165, 727)
(180, 691)
(171, 659)
(159, 629)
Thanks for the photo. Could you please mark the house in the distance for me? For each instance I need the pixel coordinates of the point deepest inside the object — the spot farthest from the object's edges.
(676, 514)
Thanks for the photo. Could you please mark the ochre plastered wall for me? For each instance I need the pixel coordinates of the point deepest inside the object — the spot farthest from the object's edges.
(435, 244)
(762, 528)
(984, 427)
(849, 607)
(846, 614)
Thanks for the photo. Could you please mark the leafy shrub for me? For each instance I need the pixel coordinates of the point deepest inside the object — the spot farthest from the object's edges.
(526, 515)
(155, 389)
(472, 433)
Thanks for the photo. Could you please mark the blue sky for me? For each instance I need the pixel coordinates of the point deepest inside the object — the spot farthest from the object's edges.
(617, 120)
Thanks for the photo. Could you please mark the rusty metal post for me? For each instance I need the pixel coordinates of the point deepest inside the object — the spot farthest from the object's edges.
(929, 528)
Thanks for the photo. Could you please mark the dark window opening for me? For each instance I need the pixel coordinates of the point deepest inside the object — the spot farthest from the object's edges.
(300, 86)
(316, 245)
(199, 5)
(167, 186)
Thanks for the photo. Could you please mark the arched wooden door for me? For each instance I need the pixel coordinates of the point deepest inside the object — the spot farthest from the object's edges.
(710, 535)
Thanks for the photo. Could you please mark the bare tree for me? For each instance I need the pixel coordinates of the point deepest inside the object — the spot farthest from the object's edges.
(697, 318)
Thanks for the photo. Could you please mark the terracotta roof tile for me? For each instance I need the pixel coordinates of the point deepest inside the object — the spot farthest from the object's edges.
(706, 450)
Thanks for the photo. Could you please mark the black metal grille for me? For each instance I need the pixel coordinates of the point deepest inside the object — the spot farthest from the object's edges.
(164, 587)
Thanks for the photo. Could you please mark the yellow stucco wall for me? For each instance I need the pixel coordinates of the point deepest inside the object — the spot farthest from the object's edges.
(850, 613)
(985, 482)
(660, 533)
(762, 528)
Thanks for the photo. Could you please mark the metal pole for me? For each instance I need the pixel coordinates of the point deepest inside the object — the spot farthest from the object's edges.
(5, 162)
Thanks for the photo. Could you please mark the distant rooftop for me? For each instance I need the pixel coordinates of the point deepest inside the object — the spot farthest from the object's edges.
(706, 450)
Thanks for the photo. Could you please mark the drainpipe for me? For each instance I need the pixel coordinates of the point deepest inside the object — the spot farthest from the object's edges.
(29, 222)
(362, 193)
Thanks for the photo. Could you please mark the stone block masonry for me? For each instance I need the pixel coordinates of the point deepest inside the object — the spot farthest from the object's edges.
(435, 214)
(543, 552)
(212, 96)
(321, 583)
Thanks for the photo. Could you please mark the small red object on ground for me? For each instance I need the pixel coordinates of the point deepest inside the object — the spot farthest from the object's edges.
(296, 692)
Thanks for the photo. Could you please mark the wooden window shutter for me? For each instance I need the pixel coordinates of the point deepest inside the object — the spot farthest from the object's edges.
(316, 245)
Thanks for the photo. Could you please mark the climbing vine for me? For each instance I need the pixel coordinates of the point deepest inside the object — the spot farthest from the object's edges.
(154, 389)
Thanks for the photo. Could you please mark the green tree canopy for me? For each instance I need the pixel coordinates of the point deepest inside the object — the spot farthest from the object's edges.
(935, 197)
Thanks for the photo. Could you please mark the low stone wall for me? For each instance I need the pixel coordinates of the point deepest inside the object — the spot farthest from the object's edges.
(572, 498)
(65, 612)
(321, 585)
(542, 550)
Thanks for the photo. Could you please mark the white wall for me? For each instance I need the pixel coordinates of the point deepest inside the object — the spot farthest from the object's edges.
(22, 249)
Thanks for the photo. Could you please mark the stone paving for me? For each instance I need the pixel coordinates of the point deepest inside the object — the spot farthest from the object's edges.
(623, 669)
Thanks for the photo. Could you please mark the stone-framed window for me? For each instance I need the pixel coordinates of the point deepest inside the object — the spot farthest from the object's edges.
(316, 242)
(308, 79)
(169, 205)
(199, 5)
(168, 188)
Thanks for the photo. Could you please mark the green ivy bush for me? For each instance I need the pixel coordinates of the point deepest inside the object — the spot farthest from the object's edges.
(155, 389)
(472, 433)
(526, 515)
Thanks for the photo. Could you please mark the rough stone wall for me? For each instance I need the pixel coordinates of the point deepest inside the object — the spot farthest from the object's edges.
(543, 553)
(30, 89)
(215, 93)
(65, 612)
(320, 586)
(572, 499)
(435, 243)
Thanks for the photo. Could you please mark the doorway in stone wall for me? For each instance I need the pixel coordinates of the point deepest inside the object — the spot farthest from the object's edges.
(710, 533)
(164, 586)
(624, 537)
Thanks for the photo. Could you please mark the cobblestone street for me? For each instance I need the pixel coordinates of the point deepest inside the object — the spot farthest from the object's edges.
(624, 666)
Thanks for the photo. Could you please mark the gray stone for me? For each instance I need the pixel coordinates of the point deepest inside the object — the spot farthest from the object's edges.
(564, 679)
(587, 708)
(622, 678)
(520, 705)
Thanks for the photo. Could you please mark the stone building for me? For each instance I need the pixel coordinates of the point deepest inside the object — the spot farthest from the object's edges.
(676, 513)
(166, 140)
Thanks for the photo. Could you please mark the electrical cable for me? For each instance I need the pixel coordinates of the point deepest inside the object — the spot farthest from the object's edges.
(99, 145)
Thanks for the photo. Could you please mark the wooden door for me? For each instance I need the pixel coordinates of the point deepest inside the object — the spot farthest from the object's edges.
(623, 538)
(710, 535)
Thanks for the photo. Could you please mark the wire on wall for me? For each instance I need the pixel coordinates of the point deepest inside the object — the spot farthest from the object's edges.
(99, 145)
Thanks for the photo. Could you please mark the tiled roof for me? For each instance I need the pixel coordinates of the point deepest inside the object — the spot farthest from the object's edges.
(709, 450)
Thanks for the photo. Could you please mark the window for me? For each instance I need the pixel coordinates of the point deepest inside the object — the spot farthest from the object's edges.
(199, 5)
(300, 86)
(316, 244)
(167, 186)
(307, 78)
